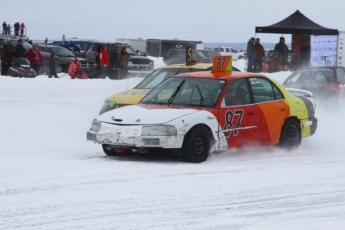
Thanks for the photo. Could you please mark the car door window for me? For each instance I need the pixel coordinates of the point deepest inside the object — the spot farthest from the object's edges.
(264, 90)
(237, 93)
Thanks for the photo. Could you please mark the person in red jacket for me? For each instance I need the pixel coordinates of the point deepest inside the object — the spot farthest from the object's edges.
(103, 61)
(35, 58)
(260, 56)
(75, 71)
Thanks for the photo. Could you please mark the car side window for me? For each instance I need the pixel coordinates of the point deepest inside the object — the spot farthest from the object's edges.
(319, 76)
(341, 75)
(237, 93)
(264, 90)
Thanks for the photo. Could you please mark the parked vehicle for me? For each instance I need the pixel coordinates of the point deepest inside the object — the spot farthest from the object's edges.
(21, 68)
(138, 65)
(236, 54)
(210, 53)
(327, 83)
(161, 47)
(178, 56)
(45, 56)
(66, 57)
(193, 114)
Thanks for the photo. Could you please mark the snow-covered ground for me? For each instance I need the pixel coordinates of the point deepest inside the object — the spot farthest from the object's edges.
(52, 178)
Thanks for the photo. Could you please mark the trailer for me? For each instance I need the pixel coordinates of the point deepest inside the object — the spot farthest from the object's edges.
(160, 47)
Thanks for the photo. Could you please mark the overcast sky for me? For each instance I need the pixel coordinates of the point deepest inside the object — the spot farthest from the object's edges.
(206, 20)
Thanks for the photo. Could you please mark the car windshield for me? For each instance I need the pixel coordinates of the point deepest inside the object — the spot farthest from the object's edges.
(129, 50)
(61, 52)
(160, 75)
(184, 91)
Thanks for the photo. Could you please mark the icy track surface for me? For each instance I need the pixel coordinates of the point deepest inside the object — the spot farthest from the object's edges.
(51, 178)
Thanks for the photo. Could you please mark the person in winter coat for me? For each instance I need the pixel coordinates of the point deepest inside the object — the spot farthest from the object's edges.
(91, 54)
(74, 70)
(8, 29)
(103, 61)
(52, 66)
(251, 54)
(4, 28)
(260, 56)
(124, 58)
(19, 50)
(22, 27)
(35, 58)
(6, 58)
(114, 62)
(283, 51)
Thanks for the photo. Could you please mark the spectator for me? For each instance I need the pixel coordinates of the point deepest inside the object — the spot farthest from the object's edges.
(4, 28)
(114, 62)
(260, 56)
(52, 66)
(35, 58)
(123, 61)
(103, 61)
(91, 54)
(6, 57)
(251, 54)
(8, 29)
(74, 70)
(19, 50)
(22, 27)
(16, 28)
(283, 51)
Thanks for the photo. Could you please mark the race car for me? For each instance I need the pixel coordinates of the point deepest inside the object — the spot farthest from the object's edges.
(193, 114)
(133, 96)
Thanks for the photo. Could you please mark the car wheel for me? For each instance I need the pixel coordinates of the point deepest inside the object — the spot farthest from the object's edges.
(109, 150)
(291, 134)
(195, 146)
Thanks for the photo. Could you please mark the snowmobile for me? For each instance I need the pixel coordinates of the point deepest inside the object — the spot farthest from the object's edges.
(21, 68)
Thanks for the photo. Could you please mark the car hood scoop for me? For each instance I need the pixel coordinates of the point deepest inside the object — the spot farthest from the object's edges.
(139, 115)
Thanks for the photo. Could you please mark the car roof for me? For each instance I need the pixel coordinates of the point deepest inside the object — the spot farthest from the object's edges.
(320, 67)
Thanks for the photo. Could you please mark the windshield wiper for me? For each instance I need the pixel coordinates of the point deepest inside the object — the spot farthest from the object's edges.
(201, 97)
(175, 92)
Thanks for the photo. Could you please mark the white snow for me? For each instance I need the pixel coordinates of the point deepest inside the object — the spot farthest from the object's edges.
(52, 178)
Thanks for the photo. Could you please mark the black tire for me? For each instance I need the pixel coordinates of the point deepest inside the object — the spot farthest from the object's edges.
(109, 150)
(291, 135)
(196, 145)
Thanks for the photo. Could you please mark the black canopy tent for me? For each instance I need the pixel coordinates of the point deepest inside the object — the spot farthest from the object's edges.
(296, 23)
(301, 29)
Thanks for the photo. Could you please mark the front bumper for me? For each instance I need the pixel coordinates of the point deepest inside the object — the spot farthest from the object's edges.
(171, 142)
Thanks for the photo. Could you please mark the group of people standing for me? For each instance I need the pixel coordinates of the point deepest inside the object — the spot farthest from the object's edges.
(6, 28)
(111, 64)
(256, 54)
(8, 53)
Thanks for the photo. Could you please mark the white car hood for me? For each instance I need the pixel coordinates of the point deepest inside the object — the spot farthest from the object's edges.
(138, 115)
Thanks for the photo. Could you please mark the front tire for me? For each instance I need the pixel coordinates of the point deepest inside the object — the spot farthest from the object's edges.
(291, 136)
(109, 150)
(196, 145)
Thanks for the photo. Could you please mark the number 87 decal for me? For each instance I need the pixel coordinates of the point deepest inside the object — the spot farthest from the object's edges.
(229, 122)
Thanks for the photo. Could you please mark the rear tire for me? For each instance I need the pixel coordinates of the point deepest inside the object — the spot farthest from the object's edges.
(109, 150)
(196, 145)
(291, 135)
